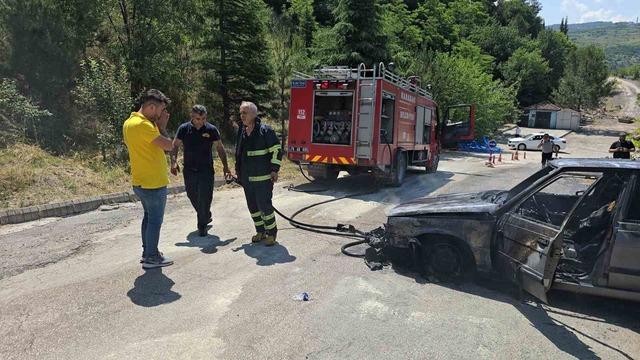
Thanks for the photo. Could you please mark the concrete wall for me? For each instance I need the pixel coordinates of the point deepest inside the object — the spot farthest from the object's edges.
(568, 119)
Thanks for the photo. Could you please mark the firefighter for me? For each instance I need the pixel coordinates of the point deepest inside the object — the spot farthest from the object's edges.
(258, 157)
(198, 138)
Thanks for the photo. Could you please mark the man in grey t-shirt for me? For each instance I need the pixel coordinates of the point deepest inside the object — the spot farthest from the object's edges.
(547, 149)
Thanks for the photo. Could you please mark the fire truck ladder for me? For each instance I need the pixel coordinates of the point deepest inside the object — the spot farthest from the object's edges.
(366, 110)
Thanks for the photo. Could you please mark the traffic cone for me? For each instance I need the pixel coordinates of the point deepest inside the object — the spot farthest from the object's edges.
(525, 154)
(499, 157)
(516, 157)
(493, 161)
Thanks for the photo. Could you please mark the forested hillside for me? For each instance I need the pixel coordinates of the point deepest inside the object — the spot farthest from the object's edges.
(72, 69)
(620, 41)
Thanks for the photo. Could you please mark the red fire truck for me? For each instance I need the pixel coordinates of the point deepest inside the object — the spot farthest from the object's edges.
(369, 120)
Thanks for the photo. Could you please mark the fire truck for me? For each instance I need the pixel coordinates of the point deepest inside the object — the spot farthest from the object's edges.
(369, 120)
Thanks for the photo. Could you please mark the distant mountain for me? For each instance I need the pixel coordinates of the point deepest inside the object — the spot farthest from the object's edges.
(620, 41)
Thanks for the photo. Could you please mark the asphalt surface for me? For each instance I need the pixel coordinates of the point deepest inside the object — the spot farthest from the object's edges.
(72, 288)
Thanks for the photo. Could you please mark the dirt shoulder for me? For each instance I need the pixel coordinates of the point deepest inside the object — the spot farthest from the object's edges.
(31, 176)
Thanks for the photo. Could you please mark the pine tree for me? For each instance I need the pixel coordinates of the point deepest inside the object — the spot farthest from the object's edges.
(564, 25)
(302, 13)
(357, 37)
(235, 55)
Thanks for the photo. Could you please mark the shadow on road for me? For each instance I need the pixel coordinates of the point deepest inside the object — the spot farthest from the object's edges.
(416, 184)
(153, 288)
(563, 336)
(208, 244)
(267, 255)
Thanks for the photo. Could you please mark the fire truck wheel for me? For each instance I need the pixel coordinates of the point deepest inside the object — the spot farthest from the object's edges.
(433, 167)
(400, 169)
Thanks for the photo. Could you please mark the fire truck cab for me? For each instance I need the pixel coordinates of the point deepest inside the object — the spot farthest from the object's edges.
(368, 120)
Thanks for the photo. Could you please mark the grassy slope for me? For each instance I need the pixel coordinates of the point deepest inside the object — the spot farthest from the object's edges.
(620, 41)
(31, 176)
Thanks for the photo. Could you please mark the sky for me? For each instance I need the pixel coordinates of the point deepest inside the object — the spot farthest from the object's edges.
(581, 11)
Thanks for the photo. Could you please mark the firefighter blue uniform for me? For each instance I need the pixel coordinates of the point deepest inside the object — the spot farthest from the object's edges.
(258, 155)
(198, 167)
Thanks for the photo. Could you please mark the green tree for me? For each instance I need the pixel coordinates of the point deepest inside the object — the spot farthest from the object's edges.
(287, 54)
(455, 79)
(5, 47)
(301, 13)
(103, 95)
(468, 50)
(564, 26)
(585, 79)
(555, 47)
(521, 15)
(20, 118)
(437, 26)
(235, 55)
(47, 39)
(357, 37)
(404, 36)
(498, 41)
(529, 71)
(156, 42)
(323, 11)
(468, 15)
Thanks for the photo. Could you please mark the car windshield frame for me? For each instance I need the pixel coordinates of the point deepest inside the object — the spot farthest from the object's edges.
(526, 183)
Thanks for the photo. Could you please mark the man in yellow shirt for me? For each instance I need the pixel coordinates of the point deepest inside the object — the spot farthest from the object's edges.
(145, 134)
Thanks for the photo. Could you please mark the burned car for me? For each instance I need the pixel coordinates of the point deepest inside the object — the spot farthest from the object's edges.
(574, 225)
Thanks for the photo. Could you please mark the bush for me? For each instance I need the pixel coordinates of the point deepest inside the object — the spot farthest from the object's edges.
(19, 117)
(103, 94)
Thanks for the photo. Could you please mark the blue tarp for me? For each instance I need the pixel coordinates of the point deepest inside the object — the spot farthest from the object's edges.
(479, 146)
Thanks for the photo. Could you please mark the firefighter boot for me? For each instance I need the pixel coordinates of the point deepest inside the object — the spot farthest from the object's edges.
(258, 237)
(270, 240)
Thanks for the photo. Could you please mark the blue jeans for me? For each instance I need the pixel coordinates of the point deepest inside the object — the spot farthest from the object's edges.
(153, 203)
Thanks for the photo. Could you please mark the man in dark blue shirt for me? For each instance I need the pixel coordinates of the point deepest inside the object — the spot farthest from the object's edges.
(198, 137)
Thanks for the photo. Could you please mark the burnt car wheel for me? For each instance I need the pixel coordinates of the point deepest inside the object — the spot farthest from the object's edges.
(445, 260)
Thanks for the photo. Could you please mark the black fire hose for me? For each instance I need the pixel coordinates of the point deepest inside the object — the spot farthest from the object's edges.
(342, 230)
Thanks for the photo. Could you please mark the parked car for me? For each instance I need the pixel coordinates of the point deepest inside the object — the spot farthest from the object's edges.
(530, 142)
(573, 225)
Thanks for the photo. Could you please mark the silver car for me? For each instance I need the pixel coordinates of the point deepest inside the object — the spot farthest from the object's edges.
(574, 225)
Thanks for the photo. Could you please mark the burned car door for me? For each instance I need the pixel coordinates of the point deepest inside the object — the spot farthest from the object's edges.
(624, 261)
(529, 234)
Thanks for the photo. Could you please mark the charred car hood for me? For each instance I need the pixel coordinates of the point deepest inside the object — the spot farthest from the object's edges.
(446, 204)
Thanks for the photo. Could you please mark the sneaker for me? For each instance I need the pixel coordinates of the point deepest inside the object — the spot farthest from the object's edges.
(156, 262)
(142, 257)
(258, 237)
(270, 240)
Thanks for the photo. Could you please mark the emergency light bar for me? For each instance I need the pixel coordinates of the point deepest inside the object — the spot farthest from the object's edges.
(326, 84)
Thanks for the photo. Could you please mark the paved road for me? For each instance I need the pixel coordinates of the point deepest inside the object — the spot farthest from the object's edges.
(72, 289)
